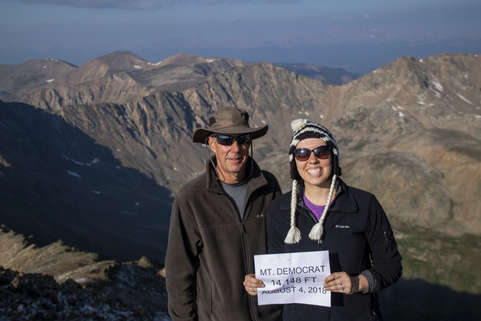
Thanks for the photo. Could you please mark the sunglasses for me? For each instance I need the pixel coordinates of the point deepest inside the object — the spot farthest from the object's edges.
(228, 140)
(321, 152)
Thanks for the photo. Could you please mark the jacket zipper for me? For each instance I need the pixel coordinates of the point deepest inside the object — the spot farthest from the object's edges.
(243, 232)
(314, 219)
(245, 261)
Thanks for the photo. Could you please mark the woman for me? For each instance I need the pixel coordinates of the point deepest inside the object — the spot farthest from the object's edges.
(323, 213)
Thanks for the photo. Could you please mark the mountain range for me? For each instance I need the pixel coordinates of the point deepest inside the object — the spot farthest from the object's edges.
(93, 155)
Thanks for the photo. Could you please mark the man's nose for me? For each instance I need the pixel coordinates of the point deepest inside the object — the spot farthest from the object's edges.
(235, 146)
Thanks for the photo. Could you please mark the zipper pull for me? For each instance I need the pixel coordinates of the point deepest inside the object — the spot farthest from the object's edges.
(243, 228)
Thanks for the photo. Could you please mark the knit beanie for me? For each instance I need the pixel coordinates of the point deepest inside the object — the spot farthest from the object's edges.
(303, 129)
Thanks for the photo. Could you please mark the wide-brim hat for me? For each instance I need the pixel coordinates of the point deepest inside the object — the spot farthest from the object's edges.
(228, 121)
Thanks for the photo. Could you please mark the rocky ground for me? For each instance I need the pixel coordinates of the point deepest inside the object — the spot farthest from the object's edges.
(58, 282)
(134, 291)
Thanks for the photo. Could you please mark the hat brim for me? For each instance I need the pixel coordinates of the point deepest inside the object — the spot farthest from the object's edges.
(201, 134)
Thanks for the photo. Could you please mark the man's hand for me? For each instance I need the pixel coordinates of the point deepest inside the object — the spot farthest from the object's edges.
(251, 284)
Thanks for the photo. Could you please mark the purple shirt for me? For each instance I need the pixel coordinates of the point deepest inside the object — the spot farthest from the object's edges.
(315, 209)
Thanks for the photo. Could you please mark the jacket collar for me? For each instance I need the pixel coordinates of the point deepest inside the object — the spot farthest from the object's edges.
(343, 201)
(254, 177)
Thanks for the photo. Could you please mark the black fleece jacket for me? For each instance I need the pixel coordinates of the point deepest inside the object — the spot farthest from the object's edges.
(358, 236)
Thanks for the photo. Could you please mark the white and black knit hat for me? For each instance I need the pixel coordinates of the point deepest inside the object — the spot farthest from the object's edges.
(302, 129)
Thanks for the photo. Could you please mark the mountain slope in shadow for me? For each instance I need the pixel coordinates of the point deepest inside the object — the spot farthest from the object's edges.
(57, 183)
(418, 300)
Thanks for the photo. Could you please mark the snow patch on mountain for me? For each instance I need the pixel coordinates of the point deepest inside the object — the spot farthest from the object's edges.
(74, 174)
(465, 99)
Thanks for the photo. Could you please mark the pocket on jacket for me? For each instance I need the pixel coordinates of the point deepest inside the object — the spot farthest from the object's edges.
(345, 236)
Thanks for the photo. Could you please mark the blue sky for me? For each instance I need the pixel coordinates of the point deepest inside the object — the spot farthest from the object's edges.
(356, 35)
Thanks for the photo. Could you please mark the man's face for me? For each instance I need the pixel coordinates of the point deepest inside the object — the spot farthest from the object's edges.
(231, 158)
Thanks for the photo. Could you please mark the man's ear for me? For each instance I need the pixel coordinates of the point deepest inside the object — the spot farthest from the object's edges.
(212, 144)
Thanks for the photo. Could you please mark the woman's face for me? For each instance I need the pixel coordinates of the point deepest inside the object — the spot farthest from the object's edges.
(314, 171)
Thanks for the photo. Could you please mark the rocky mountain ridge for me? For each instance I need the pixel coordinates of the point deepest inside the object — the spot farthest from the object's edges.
(56, 259)
(113, 78)
(119, 76)
(331, 76)
(408, 121)
(408, 132)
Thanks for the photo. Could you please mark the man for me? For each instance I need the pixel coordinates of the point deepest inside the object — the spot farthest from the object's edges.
(217, 226)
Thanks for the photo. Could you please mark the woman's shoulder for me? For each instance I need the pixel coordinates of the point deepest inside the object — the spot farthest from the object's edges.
(350, 189)
(283, 201)
(359, 192)
(360, 196)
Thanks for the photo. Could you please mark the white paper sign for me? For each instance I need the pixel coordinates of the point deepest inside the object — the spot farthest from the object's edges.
(293, 278)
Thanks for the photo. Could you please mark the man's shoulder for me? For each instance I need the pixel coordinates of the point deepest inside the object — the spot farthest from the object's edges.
(271, 180)
(268, 175)
(194, 186)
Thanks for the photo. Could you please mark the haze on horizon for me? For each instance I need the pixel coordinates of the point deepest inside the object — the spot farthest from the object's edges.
(358, 36)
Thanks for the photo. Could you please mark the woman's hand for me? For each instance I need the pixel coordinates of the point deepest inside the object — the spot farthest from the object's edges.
(251, 284)
(341, 282)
